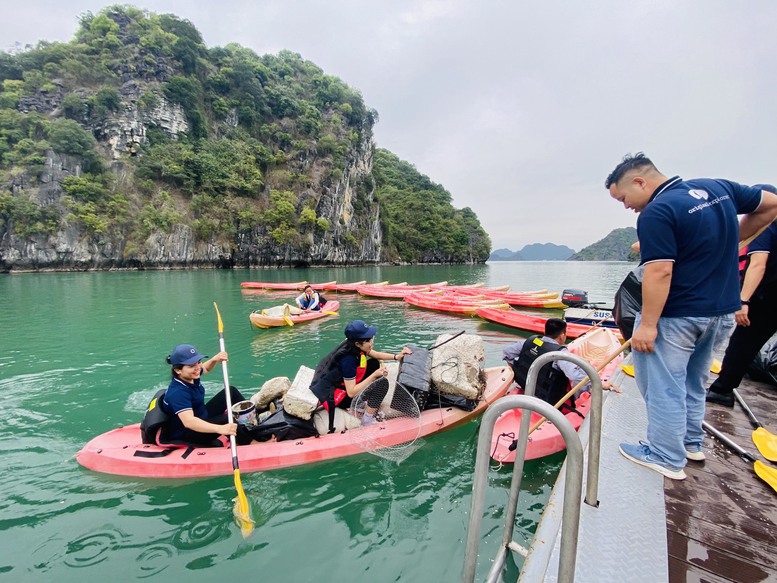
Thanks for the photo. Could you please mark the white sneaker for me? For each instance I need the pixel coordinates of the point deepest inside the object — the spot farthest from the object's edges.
(696, 456)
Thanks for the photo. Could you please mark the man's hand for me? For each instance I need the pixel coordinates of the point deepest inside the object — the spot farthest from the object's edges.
(742, 316)
(644, 338)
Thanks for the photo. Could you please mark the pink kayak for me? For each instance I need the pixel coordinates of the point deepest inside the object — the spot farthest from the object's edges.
(274, 285)
(281, 316)
(596, 347)
(395, 291)
(453, 303)
(121, 452)
(530, 322)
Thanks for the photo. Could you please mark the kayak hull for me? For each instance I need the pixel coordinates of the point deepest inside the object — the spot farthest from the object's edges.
(274, 285)
(263, 321)
(120, 451)
(528, 321)
(595, 346)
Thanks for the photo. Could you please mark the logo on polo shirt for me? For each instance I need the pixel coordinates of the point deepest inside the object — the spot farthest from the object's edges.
(700, 194)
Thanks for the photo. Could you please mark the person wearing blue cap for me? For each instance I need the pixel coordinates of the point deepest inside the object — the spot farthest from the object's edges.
(350, 368)
(192, 420)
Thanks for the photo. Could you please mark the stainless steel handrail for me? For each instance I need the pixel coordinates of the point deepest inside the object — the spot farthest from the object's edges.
(573, 486)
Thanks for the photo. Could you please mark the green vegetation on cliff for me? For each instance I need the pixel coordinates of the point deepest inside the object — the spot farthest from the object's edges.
(418, 220)
(260, 141)
(614, 247)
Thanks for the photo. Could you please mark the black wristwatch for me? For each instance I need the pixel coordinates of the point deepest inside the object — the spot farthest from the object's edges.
(745, 302)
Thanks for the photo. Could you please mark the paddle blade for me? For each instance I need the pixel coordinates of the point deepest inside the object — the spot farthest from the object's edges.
(716, 366)
(766, 443)
(218, 316)
(767, 474)
(328, 313)
(628, 369)
(288, 321)
(242, 511)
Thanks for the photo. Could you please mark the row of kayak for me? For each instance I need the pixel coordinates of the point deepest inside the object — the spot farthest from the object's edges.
(122, 452)
(462, 294)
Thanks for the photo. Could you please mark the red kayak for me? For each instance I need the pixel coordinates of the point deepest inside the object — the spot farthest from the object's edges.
(345, 287)
(267, 285)
(596, 347)
(453, 303)
(121, 452)
(527, 321)
(395, 291)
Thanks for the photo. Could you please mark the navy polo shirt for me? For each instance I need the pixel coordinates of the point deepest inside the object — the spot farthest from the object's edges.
(766, 242)
(348, 365)
(693, 223)
(181, 396)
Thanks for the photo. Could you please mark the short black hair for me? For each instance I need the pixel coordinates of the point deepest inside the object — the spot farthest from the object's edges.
(554, 327)
(637, 161)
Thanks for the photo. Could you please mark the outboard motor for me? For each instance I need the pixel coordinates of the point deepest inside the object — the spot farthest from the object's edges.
(575, 298)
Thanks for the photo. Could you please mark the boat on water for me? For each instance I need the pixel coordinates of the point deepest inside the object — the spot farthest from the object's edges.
(288, 315)
(397, 291)
(121, 451)
(596, 347)
(590, 317)
(441, 301)
(347, 287)
(298, 285)
(529, 321)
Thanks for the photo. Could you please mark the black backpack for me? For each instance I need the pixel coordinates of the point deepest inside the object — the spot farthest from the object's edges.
(283, 426)
(628, 301)
(153, 419)
(415, 374)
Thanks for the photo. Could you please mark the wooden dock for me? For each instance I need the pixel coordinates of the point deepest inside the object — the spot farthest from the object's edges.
(722, 520)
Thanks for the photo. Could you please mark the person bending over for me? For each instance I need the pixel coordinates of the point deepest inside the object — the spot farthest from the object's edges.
(688, 234)
(556, 378)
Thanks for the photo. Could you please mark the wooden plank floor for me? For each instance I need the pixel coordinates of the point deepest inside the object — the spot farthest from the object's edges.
(722, 520)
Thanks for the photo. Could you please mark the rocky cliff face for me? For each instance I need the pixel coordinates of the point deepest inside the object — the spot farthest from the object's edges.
(346, 202)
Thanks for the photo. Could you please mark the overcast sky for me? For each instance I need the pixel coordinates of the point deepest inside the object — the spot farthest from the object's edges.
(519, 109)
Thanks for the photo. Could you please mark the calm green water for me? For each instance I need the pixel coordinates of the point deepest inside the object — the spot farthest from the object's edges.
(82, 353)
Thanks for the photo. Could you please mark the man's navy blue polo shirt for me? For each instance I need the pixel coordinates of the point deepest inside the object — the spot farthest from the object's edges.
(694, 224)
(766, 242)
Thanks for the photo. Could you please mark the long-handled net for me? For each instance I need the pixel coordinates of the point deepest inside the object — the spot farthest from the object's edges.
(390, 420)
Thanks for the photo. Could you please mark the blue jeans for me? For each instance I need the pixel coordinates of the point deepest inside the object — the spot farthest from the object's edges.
(672, 380)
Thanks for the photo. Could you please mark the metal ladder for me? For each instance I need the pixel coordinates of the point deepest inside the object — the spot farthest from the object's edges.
(574, 469)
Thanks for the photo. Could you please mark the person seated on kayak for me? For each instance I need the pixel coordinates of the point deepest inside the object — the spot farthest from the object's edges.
(192, 420)
(555, 379)
(350, 368)
(309, 300)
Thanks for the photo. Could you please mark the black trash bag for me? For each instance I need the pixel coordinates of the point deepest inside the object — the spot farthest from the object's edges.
(415, 374)
(438, 400)
(628, 301)
(764, 365)
(283, 426)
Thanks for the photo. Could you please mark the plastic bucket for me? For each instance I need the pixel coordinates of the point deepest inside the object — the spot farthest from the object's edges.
(244, 413)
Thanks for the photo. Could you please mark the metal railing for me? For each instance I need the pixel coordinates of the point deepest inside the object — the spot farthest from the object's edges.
(574, 469)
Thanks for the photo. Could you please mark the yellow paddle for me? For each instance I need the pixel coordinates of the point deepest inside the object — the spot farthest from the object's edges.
(241, 510)
(766, 473)
(574, 389)
(764, 440)
(629, 368)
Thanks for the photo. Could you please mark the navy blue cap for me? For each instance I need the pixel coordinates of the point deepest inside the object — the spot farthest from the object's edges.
(184, 354)
(357, 330)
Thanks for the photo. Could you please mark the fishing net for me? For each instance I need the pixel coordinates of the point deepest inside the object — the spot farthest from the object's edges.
(390, 420)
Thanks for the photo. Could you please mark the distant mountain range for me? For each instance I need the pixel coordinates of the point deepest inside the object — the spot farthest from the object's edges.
(614, 247)
(534, 252)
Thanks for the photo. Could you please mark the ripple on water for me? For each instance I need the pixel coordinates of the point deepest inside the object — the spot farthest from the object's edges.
(92, 548)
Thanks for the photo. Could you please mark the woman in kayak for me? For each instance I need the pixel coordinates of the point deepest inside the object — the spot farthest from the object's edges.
(350, 368)
(192, 420)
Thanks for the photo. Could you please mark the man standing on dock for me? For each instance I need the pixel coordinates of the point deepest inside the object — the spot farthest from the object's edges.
(688, 235)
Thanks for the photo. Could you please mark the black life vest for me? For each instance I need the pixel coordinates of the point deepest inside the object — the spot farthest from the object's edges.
(552, 384)
(328, 377)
